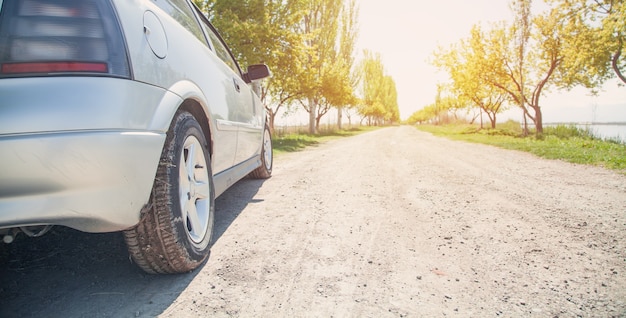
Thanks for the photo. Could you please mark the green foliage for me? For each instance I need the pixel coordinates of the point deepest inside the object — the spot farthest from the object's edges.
(562, 142)
(379, 98)
(329, 34)
(264, 31)
(292, 142)
(467, 64)
(204, 5)
(307, 44)
(576, 42)
(594, 36)
(425, 115)
(568, 131)
(510, 128)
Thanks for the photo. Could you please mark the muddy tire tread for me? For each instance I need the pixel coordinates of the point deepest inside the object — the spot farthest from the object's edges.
(154, 242)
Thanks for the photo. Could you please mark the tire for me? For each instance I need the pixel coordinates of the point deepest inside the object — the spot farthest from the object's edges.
(267, 157)
(176, 228)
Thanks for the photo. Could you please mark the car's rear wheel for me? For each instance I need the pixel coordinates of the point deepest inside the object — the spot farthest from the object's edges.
(174, 234)
(267, 157)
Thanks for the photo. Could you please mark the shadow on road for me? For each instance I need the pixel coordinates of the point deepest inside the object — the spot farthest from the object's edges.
(67, 273)
(232, 202)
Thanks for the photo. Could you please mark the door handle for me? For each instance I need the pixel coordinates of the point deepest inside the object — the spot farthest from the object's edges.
(237, 88)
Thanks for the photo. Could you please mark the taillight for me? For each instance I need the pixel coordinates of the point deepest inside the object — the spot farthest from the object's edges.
(50, 37)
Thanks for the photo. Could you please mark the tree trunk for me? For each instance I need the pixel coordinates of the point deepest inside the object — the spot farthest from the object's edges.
(339, 117)
(615, 61)
(349, 120)
(538, 120)
(312, 115)
(272, 120)
(317, 123)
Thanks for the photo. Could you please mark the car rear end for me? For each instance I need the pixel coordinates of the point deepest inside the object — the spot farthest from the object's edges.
(78, 144)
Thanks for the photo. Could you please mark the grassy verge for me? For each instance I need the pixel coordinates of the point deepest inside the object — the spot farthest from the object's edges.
(292, 142)
(564, 143)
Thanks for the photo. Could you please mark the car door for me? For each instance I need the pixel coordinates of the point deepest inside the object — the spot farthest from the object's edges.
(251, 121)
(245, 113)
(227, 119)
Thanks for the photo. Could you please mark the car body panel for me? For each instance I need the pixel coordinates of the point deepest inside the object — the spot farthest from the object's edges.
(49, 104)
(95, 181)
(65, 150)
(82, 151)
(227, 108)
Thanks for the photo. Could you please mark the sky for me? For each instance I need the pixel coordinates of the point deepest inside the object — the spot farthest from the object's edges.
(407, 32)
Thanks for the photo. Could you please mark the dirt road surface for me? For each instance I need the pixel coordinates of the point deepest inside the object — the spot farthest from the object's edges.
(391, 223)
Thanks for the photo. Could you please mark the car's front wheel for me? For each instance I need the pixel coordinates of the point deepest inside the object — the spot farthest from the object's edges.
(267, 157)
(174, 234)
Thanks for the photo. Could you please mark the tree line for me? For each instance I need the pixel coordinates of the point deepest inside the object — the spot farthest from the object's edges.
(310, 48)
(574, 43)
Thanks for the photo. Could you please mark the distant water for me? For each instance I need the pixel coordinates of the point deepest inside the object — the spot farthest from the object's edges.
(607, 131)
(604, 131)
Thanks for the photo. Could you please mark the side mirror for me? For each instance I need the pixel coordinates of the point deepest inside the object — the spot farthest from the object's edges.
(257, 72)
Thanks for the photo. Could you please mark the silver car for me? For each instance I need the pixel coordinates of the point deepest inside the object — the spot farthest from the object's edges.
(124, 115)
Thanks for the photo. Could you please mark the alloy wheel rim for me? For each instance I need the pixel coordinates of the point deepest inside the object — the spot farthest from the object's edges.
(195, 190)
(267, 149)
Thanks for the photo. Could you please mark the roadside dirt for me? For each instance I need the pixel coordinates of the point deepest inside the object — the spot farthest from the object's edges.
(392, 223)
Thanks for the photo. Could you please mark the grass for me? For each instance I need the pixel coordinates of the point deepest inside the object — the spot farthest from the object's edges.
(566, 143)
(295, 141)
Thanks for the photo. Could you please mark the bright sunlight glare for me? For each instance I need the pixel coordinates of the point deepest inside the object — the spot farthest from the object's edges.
(406, 33)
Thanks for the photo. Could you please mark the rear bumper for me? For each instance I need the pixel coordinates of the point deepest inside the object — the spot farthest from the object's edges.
(93, 181)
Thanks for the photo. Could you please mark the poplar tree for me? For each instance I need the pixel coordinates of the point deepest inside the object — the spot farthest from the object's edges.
(319, 28)
(379, 98)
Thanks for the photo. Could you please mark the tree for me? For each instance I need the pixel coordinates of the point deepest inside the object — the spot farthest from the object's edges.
(559, 49)
(379, 102)
(521, 30)
(264, 31)
(319, 29)
(467, 63)
(428, 114)
(390, 100)
(336, 85)
(349, 22)
(305, 43)
(204, 5)
(526, 74)
(596, 35)
(516, 61)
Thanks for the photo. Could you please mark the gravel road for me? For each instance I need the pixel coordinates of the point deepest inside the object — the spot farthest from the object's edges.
(391, 223)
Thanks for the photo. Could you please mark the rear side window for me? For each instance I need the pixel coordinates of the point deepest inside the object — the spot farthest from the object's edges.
(181, 12)
(222, 52)
(218, 46)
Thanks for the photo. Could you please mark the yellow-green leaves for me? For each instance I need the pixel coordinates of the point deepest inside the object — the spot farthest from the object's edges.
(378, 91)
(594, 35)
